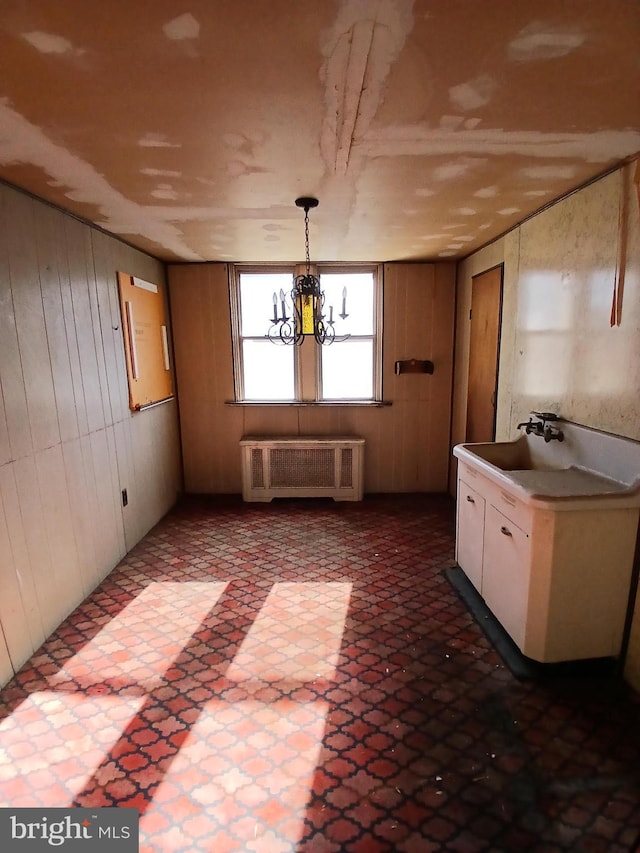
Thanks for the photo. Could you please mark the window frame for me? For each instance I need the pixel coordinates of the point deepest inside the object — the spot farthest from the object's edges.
(375, 337)
(235, 271)
(307, 359)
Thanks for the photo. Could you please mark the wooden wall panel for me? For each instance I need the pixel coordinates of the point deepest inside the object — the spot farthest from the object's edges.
(110, 537)
(13, 386)
(107, 330)
(96, 342)
(83, 323)
(157, 476)
(47, 243)
(5, 450)
(204, 369)
(30, 326)
(38, 556)
(19, 613)
(57, 518)
(6, 669)
(73, 349)
(68, 443)
(436, 466)
(82, 513)
(407, 445)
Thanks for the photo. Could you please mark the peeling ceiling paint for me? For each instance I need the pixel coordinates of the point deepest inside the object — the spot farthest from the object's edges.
(181, 28)
(474, 93)
(361, 48)
(596, 147)
(190, 131)
(51, 43)
(543, 41)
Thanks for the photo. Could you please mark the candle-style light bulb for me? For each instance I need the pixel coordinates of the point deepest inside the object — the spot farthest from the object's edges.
(275, 307)
(343, 314)
(284, 313)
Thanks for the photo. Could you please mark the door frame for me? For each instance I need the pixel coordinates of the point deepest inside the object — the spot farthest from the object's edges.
(499, 266)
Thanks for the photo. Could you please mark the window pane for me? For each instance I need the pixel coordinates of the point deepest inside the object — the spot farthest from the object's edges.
(256, 300)
(268, 371)
(347, 370)
(359, 301)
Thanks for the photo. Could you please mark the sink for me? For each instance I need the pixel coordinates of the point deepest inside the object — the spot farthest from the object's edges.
(546, 533)
(589, 465)
(520, 455)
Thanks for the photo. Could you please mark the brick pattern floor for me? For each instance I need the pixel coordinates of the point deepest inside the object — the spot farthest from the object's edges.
(300, 677)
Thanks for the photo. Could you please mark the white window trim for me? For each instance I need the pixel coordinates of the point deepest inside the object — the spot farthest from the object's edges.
(377, 270)
(235, 270)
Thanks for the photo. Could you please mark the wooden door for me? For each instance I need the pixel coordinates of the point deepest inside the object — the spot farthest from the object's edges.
(486, 305)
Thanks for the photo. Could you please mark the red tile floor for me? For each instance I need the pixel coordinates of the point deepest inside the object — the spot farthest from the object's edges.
(301, 676)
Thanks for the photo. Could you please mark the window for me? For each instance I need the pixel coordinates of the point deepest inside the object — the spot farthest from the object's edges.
(348, 370)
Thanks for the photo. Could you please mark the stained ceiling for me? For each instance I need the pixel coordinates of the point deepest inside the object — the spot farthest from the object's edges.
(425, 127)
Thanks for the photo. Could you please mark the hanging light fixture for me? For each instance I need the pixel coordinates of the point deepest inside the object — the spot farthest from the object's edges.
(306, 302)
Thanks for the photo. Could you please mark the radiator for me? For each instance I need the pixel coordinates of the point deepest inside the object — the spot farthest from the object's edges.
(302, 466)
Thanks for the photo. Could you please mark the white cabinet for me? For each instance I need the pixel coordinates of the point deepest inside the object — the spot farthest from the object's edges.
(505, 575)
(494, 553)
(470, 525)
(557, 581)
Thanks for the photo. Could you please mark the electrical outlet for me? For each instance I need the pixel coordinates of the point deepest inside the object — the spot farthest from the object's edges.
(125, 497)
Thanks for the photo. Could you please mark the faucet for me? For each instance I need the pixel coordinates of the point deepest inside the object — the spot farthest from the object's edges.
(550, 433)
(542, 428)
(536, 428)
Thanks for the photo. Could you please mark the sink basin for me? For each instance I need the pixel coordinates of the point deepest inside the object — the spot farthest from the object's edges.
(520, 455)
(589, 465)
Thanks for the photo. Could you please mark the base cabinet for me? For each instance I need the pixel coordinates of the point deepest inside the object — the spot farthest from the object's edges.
(557, 581)
(505, 574)
(470, 525)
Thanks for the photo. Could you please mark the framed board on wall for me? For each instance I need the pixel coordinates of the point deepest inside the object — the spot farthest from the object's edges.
(146, 343)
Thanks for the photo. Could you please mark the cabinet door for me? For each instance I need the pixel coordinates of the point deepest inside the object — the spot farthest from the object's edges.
(505, 578)
(470, 533)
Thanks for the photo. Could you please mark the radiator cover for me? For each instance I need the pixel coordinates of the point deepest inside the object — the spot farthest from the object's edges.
(302, 466)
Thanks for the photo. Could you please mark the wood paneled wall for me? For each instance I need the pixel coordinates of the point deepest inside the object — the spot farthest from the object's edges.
(407, 443)
(68, 442)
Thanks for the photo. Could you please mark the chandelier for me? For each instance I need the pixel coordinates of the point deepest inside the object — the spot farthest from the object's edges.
(305, 302)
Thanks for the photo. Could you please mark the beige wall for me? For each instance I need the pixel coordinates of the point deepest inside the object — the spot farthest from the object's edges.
(558, 349)
(68, 442)
(407, 443)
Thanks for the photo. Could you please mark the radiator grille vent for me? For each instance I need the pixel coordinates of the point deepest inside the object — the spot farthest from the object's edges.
(346, 468)
(257, 469)
(302, 466)
(291, 467)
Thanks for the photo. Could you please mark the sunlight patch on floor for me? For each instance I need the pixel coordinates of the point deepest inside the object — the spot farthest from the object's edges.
(139, 644)
(242, 777)
(54, 742)
(296, 636)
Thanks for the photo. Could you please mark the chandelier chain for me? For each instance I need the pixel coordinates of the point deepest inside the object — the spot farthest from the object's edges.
(306, 238)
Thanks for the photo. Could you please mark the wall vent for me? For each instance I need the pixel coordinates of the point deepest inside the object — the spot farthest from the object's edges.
(302, 466)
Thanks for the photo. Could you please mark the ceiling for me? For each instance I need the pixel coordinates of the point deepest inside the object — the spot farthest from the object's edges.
(424, 127)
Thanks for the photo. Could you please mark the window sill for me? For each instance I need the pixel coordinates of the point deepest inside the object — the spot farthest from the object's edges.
(321, 403)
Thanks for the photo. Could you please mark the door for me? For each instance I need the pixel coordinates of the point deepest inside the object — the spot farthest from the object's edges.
(484, 343)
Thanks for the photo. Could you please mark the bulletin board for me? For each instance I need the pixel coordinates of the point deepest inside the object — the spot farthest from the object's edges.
(146, 344)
